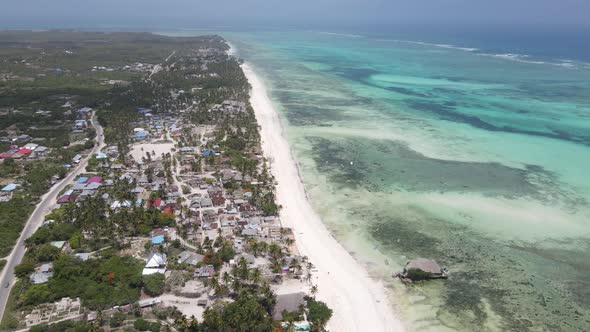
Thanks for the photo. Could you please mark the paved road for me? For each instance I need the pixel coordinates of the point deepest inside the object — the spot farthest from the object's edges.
(48, 202)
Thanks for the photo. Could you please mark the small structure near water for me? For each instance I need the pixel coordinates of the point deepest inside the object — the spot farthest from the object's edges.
(422, 269)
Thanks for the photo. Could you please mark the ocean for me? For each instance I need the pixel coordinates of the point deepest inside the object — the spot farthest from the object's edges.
(472, 153)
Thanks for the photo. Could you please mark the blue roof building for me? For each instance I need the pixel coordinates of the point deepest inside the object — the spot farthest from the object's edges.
(141, 134)
(208, 153)
(9, 187)
(82, 179)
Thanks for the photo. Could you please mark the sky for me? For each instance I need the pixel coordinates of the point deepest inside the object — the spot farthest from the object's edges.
(576, 12)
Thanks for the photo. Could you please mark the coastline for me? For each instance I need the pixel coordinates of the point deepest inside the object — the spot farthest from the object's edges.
(360, 303)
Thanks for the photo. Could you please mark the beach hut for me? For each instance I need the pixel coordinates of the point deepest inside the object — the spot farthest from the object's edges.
(422, 268)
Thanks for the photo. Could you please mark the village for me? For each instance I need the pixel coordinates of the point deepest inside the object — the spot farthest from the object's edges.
(178, 210)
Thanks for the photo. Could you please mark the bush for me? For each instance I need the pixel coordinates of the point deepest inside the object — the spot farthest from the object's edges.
(143, 325)
(153, 284)
(117, 319)
(319, 314)
(24, 269)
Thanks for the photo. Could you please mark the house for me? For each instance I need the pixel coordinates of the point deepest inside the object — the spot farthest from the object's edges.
(80, 124)
(23, 138)
(92, 186)
(206, 203)
(95, 179)
(208, 153)
(101, 155)
(187, 149)
(148, 303)
(31, 146)
(207, 271)
(82, 256)
(42, 274)
(249, 232)
(190, 258)
(66, 199)
(10, 187)
(58, 244)
(82, 179)
(156, 263)
(118, 204)
(218, 201)
(289, 303)
(157, 202)
(41, 150)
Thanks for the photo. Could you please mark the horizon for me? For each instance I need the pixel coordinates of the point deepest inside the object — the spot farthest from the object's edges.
(305, 12)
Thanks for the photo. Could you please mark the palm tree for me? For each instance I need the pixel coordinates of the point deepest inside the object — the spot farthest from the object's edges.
(314, 290)
(214, 283)
(226, 278)
(255, 276)
(243, 268)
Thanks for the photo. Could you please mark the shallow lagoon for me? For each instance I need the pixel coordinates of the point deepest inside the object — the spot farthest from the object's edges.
(411, 150)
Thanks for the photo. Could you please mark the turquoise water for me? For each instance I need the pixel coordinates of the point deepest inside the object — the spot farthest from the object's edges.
(477, 160)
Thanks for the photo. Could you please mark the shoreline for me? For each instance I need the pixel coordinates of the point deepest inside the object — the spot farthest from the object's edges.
(359, 302)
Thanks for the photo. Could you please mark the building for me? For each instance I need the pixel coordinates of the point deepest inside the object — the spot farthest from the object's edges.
(422, 268)
(156, 263)
(289, 303)
(207, 271)
(187, 257)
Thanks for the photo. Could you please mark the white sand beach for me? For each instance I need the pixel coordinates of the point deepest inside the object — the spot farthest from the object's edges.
(359, 302)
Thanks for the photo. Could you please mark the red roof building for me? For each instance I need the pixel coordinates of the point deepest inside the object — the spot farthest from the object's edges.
(66, 199)
(95, 179)
(158, 202)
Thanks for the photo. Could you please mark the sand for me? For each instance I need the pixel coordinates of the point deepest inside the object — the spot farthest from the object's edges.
(138, 151)
(359, 302)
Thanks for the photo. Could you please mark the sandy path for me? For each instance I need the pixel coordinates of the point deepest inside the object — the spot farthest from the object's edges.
(359, 302)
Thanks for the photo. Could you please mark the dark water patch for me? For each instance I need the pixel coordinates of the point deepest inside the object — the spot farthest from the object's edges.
(379, 165)
(450, 114)
(408, 92)
(574, 266)
(519, 285)
(307, 115)
(448, 92)
(354, 73)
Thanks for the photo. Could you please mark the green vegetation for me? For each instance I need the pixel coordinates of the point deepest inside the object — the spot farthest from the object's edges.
(247, 313)
(13, 215)
(143, 325)
(318, 314)
(153, 284)
(66, 326)
(100, 283)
